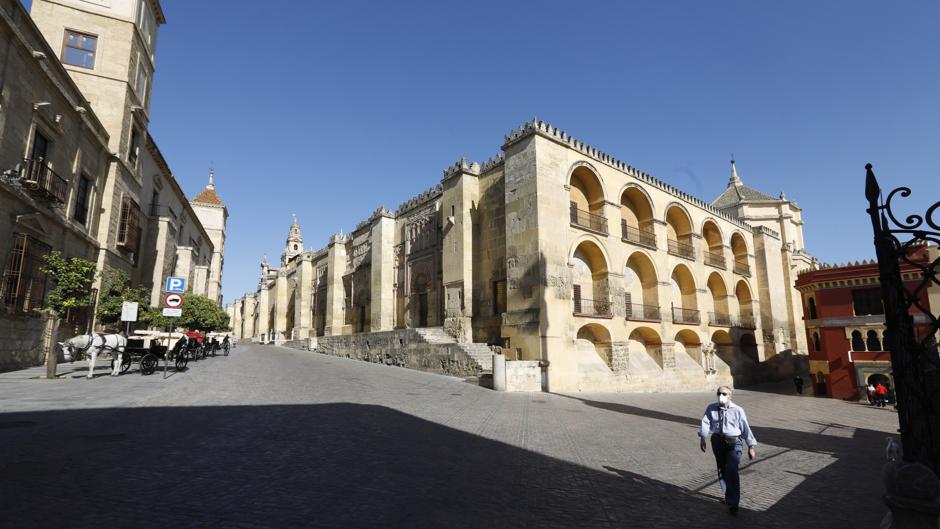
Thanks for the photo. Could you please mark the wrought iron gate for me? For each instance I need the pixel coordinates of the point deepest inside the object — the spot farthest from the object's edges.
(914, 352)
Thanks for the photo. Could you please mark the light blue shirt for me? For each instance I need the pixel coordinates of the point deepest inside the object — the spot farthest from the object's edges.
(731, 421)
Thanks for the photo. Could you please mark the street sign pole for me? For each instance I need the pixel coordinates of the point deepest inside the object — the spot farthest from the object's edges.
(172, 301)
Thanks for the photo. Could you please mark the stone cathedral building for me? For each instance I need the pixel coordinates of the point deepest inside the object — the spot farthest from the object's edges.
(555, 251)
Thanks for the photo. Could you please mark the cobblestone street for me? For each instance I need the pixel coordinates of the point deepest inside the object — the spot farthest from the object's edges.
(273, 437)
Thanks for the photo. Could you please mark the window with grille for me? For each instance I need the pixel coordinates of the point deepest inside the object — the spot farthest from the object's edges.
(129, 225)
(24, 285)
(499, 297)
(79, 49)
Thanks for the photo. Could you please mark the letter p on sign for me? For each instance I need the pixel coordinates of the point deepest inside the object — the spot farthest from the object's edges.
(176, 285)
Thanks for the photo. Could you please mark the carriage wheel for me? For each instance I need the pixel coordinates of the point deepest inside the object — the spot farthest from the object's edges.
(148, 364)
(126, 362)
(181, 362)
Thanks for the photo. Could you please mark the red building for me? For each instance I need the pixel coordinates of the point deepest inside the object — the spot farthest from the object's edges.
(845, 324)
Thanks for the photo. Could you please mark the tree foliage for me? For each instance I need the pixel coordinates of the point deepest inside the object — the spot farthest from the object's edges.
(202, 314)
(72, 278)
(115, 290)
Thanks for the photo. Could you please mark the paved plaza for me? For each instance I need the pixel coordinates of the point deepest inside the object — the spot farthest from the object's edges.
(273, 437)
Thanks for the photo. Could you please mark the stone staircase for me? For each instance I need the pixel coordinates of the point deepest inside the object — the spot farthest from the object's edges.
(479, 352)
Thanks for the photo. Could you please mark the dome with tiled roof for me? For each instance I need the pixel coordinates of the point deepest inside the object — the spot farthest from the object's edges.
(208, 195)
(737, 193)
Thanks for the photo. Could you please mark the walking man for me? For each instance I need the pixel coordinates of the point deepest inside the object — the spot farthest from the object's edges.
(798, 382)
(726, 424)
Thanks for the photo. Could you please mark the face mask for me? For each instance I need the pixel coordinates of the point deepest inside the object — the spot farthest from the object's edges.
(723, 400)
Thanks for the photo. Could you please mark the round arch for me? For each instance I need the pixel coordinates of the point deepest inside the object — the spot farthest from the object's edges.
(592, 246)
(641, 287)
(587, 188)
(739, 247)
(688, 340)
(713, 240)
(681, 216)
(719, 297)
(599, 337)
(636, 209)
(649, 341)
(724, 346)
(749, 346)
(683, 287)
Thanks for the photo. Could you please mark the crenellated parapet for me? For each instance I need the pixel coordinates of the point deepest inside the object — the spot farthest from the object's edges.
(559, 136)
(434, 192)
(338, 238)
(462, 166)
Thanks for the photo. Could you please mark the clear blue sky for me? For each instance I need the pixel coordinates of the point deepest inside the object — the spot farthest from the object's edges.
(330, 109)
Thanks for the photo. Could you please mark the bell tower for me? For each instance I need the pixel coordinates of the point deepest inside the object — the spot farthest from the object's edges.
(295, 242)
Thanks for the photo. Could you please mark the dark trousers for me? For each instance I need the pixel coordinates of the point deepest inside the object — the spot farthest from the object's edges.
(728, 458)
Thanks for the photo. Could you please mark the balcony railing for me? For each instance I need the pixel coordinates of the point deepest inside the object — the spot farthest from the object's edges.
(745, 321)
(742, 268)
(586, 219)
(592, 307)
(637, 235)
(637, 312)
(719, 319)
(41, 181)
(689, 316)
(681, 249)
(715, 259)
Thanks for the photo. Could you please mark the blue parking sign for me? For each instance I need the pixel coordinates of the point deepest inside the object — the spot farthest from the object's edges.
(175, 285)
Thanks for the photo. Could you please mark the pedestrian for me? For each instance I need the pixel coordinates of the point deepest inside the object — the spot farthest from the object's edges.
(798, 382)
(871, 394)
(726, 424)
(881, 395)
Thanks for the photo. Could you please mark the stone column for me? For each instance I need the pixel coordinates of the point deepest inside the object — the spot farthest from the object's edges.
(303, 317)
(619, 356)
(336, 267)
(461, 192)
(383, 272)
(669, 355)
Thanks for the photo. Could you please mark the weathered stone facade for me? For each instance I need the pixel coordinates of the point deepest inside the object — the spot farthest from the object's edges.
(555, 251)
(81, 173)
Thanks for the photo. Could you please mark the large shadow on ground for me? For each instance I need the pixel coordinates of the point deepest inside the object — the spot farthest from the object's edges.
(855, 473)
(330, 465)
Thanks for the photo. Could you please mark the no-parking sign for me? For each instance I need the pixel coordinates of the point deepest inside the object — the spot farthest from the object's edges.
(173, 301)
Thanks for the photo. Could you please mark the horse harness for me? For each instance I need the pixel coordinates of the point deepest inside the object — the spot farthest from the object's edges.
(104, 344)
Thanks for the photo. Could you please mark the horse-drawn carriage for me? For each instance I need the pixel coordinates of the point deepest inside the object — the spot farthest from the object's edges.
(147, 351)
(146, 348)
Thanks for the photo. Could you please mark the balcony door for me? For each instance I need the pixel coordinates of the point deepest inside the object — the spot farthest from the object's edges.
(40, 147)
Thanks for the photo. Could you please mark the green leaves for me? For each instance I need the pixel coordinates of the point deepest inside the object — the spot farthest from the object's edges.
(202, 314)
(115, 290)
(72, 278)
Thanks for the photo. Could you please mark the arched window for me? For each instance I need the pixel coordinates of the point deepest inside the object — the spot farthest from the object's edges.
(816, 344)
(858, 343)
(812, 309)
(873, 343)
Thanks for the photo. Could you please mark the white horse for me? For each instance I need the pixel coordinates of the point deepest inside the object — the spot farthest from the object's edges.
(91, 345)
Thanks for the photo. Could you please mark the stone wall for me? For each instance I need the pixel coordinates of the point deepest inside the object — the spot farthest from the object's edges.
(402, 348)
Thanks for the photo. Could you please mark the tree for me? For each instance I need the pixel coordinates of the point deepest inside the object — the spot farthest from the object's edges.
(115, 290)
(72, 278)
(201, 313)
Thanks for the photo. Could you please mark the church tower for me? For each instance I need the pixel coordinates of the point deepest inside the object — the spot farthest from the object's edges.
(213, 215)
(295, 243)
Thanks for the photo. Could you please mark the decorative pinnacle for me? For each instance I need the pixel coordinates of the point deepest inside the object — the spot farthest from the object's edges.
(211, 184)
(735, 180)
